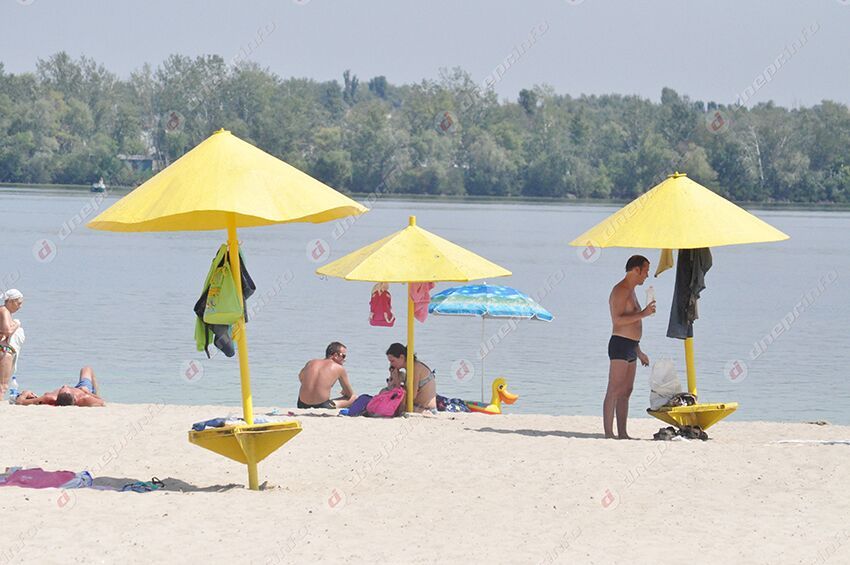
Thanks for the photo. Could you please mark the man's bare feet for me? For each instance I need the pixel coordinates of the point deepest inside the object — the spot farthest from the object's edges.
(625, 436)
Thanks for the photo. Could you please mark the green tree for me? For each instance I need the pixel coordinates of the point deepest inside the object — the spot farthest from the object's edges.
(349, 93)
(70, 119)
(488, 169)
(695, 163)
(528, 101)
(373, 144)
(378, 85)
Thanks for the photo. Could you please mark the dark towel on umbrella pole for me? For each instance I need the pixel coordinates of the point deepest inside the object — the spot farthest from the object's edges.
(691, 267)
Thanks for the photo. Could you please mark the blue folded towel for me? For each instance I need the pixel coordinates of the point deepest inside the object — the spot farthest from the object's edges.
(214, 423)
(221, 422)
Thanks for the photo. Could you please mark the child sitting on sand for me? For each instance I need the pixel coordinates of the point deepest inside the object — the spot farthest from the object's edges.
(395, 380)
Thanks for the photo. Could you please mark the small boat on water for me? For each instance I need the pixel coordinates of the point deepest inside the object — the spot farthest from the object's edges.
(98, 186)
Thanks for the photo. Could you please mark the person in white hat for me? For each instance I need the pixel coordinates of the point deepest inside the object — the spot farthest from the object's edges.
(11, 336)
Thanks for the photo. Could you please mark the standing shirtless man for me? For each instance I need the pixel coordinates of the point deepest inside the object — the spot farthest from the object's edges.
(624, 345)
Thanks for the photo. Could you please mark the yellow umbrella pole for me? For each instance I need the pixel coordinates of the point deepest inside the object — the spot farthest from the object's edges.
(242, 344)
(689, 362)
(410, 350)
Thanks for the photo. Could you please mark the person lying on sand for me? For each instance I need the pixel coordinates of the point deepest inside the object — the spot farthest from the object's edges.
(83, 394)
(320, 375)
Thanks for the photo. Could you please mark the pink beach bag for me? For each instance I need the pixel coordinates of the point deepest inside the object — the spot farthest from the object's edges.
(386, 404)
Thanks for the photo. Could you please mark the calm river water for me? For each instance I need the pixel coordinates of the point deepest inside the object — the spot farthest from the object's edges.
(123, 304)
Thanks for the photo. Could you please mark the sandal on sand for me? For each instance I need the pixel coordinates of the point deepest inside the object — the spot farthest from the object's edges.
(693, 432)
(144, 486)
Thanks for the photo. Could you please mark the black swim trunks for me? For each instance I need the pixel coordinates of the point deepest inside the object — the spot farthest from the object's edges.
(622, 348)
(327, 404)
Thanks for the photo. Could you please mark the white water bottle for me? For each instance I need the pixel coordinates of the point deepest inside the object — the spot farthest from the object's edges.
(13, 390)
(650, 297)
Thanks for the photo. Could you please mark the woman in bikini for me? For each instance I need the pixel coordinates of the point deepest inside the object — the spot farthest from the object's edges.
(424, 379)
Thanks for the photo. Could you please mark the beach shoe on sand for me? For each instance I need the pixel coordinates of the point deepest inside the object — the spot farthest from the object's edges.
(665, 434)
(693, 432)
(144, 486)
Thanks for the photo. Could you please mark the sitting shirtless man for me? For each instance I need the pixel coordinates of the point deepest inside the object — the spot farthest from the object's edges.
(83, 394)
(320, 375)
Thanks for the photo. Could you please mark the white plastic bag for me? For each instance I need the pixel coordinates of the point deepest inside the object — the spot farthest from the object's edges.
(663, 383)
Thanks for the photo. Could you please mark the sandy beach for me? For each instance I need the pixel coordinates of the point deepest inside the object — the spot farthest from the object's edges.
(469, 487)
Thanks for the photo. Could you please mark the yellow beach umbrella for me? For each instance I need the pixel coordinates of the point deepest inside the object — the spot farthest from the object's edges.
(412, 255)
(221, 181)
(227, 183)
(679, 213)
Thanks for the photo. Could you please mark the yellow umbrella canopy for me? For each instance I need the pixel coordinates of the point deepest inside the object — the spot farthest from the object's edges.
(679, 214)
(222, 179)
(412, 255)
(409, 256)
(225, 183)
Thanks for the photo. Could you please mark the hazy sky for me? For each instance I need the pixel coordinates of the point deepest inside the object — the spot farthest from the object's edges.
(708, 50)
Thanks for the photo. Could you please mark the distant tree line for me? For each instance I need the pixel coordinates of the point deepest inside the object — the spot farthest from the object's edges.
(70, 120)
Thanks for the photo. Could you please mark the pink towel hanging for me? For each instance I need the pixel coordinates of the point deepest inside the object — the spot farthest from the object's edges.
(420, 293)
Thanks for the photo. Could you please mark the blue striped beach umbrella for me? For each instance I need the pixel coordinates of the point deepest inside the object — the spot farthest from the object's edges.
(487, 301)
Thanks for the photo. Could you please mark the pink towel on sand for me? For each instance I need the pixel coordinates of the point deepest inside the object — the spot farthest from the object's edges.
(420, 293)
(38, 478)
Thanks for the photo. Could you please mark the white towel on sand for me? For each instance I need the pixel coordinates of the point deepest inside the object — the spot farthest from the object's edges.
(16, 341)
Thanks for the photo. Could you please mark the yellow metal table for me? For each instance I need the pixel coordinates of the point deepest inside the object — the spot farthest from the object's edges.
(249, 443)
(702, 415)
